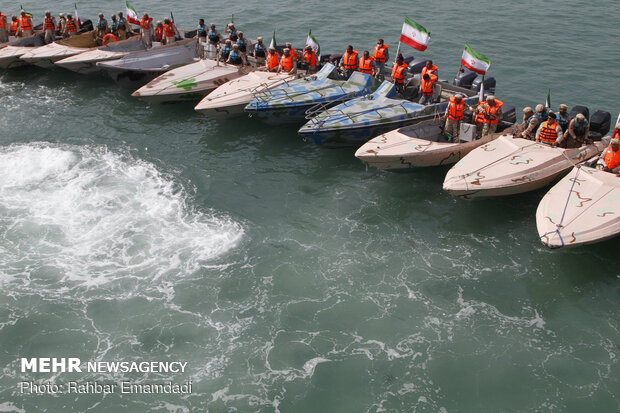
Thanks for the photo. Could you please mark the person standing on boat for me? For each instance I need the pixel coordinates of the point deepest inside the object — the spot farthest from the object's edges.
(102, 27)
(14, 26)
(243, 48)
(259, 48)
(611, 157)
(159, 31)
(349, 61)
(25, 25)
(310, 61)
(381, 55)
(454, 116)
(288, 63)
(272, 63)
(201, 30)
(123, 27)
(232, 32)
(70, 26)
(367, 63)
(170, 31)
(114, 25)
(49, 27)
(427, 83)
(563, 118)
(62, 22)
(214, 36)
(550, 131)
(146, 30)
(430, 68)
(577, 132)
(4, 29)
(399, 71)
(492, 115)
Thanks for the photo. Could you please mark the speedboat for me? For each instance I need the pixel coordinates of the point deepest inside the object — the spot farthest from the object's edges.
(137, 69)
(289, 102)
(354, 122)
(420, 145)
(229, 99)
(582, 208)
(46, 56)
(86, 62)
(10, 55)
(191, 82)
(510, 165)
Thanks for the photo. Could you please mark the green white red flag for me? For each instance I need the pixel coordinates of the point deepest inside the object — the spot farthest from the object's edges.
(548, 100)
(415, 35)
(132, 16)
(312, 42)
(77, 17)
(474, 61)
(273, 40)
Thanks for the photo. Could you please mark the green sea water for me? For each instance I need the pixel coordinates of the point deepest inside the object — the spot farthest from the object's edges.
(287, 276)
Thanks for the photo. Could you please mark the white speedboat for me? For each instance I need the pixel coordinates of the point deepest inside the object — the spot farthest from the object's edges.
(11, 53)
(510, 165)
(582, 208)
(137, 69)
(46, 56)
(191, 82)
(419, 145)
(86, 62)
(230, 99)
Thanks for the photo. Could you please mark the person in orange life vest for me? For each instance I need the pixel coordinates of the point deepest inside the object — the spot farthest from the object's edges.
(349, 61)
(550, 131)
(159, 31)
(288, 63)
(49, 27)
(146, 30)
(492, 115)
(25, 25)
(611, 157)
(4, 29)
(616, 134)
(310, 60)
(367, 63)
(71, 28)
(430, 68)
(454, 115)
(14, 26)
(62, 22)
(170, 31)
(426, 88)
(399, 72)
(272, 62)
(381, 55)
(577, 132)
(292, 50)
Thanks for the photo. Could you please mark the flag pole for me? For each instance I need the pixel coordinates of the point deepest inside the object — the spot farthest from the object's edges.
(397, 51)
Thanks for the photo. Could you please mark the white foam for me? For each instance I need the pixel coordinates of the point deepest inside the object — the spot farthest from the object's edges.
(311, 364)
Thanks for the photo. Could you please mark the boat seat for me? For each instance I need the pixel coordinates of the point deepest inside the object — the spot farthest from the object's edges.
(436, 92)
(412, 88)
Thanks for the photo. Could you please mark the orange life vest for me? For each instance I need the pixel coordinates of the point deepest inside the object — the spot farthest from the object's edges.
(272, 60)
(455, 110)
(14, 25)
(350, 60)
(548, 132)
(379, 53)
(109, 38)
(616, 134)
(286, 62)
(310, 58)
(71, 25)
(611, 158)
(2, 21)
(159, 33)
(366, 64)
(49, 23)
(169, 29)
(492, 110)
(427, 86)
(397, 73)
(25, 24)
(145, 23)
(430, 71)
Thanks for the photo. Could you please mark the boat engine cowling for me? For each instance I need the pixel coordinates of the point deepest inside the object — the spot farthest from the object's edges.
(465, 79)
(600, 123)
(415, 65)
(577, 109)
(489, 84)
(509, 113)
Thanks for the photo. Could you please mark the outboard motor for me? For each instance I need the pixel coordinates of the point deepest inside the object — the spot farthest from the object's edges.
(415, 65)
(465, 79)
(87, 25)
(577, 109)
(599, 124)
(489, 84)
(509, 113)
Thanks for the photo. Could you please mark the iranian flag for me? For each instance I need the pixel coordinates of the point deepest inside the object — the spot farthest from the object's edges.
(312, 42)
(132, 16)
(27, 14)
(474, 61)
(77, 17)
(273, 40)
(415, 35)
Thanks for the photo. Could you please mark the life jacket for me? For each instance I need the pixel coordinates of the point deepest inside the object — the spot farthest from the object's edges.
(114, 26)
(366, 64)
(241, 44)
(25, 24)
(562, 120)
(427, 85)
(547, 132)
(379, 53)
(48, 23)
(71, 28)
(455, 110)
(159, 33)
(542, 116)
(286, 62)
(272, 60)
(232, 36)
(350, 60)
(492, 110)
(14, 25)
(235, 58)
(479, 118)
(109, 38)
(310, 58)
(580, 128)
(202, 30)
(225, 52)
(2, 21)
(145, 23)
(213, 37)
(169, 29)
(101, 24)
(615, 135)
(611, 158)
(122, 24)
(431, 71)
(397, 73)
(259, 50)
